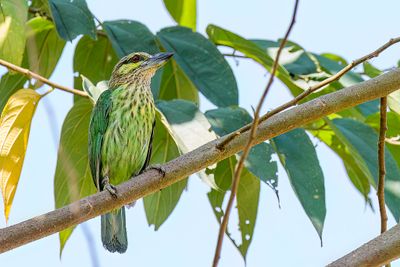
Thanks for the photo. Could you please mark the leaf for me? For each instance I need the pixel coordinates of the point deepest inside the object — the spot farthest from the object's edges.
(72, 180)
(183, 12)
(93, 91)
(348, 79)
(298, 157)
(361, 140)
(129, 36)
(13, 15)
(259, 161)
(394, 101)
(354, 171)
(189, 128)
(9, 84)
(158, 206)
(44, 47)
(220, 36)
(72, 18)
(203, 64)
(293, 57)
(176, 85)
(247, 201)
(89, 51)
(15, 122)
(370, 70)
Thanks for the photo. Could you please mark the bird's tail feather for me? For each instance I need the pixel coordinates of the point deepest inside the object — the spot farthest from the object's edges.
(113, 231)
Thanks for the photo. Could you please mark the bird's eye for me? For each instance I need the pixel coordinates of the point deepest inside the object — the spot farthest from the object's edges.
(135, 59)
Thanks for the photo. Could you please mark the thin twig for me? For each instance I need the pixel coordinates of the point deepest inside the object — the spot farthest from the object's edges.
(382, 166)
(312, 89)
(236, 56)
(252, 135)
(38, 77)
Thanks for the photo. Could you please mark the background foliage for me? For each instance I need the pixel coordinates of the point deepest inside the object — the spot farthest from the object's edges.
(38, 33)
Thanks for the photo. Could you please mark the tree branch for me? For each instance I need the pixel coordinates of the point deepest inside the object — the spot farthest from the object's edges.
(194, 161)
(377, 252)
(246, 150)
(38, 77)
(381, 160)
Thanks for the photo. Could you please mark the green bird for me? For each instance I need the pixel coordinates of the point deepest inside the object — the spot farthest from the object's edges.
(120, 135)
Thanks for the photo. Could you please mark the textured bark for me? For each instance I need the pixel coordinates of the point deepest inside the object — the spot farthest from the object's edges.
(189, 163)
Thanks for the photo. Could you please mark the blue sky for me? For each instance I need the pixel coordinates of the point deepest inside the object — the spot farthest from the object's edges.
(283, 237)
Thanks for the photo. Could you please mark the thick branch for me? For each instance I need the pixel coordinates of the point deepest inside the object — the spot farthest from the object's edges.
(377, 252)
(38, 77)
(189, 163)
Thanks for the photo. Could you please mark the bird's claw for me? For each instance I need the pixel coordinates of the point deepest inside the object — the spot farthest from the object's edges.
(109, 187)
(157, 167)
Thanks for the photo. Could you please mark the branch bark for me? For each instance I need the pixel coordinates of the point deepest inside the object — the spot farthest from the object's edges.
(194, 161)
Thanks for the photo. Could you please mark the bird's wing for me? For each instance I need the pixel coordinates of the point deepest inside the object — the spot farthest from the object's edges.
(149, 150)
(97, 128)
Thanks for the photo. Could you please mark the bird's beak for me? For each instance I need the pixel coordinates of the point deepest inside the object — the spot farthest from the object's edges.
(158, 60)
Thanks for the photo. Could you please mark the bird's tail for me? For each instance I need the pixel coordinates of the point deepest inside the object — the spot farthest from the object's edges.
(113, 231)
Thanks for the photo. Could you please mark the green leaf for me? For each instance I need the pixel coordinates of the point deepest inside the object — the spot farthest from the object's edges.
(43, 46)
(159, 206)
(370, 70)
(220, 36)
(247, 201)
(354, 171)
(259, 161)
(72, 18)
(183, 12)
(42, 6)
(350, 78)
(293, 57)
(87, 53)
(361, 140)
(13, 15)
(72, 180)
(202, 63)
(9, 84)
(129, 36)
(189, 128)
(298, 157)
(176, 85)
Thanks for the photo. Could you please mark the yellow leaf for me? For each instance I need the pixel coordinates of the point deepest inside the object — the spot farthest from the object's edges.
(15, 122)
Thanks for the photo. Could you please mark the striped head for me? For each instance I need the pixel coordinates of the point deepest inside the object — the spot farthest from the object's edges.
(137, 67)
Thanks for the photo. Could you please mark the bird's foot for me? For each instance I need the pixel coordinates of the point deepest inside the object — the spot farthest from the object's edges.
(109, 187)
(157, 167)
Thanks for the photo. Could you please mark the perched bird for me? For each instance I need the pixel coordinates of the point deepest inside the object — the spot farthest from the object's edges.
(120, 135)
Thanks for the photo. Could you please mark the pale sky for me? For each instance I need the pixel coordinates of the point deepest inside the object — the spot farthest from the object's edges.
(283, 237)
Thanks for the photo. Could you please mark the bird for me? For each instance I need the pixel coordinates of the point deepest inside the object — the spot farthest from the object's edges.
(120, 135)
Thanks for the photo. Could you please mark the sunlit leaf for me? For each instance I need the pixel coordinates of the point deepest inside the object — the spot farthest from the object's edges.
(203, 64)
(370, 70)
(13, 15)
(183, 12)
(159, 206)
(189, 128)
(298, 157)
(72, 18)
(72, 180)
(15, 122)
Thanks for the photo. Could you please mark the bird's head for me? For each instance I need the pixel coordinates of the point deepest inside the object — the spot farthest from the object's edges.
(137, 67)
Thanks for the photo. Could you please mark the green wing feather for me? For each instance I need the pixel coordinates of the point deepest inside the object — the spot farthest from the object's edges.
(97, 128)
